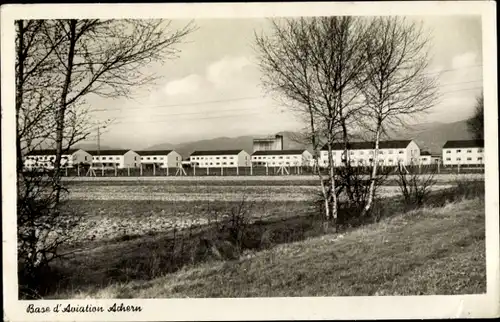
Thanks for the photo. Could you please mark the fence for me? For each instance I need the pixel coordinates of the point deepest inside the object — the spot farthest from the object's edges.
(254, 171)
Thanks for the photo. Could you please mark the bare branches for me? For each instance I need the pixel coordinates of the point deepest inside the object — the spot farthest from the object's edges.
(59, 63)
(475, 124)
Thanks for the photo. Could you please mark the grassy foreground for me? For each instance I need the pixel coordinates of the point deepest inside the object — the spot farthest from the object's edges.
(428, 251)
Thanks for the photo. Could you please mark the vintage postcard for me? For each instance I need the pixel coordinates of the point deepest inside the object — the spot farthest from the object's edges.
(250, 161)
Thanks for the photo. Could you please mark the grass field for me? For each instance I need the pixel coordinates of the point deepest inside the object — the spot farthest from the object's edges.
(129, 246)
(429, 251)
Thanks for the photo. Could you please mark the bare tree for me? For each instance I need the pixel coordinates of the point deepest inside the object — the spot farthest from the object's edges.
(105, 58)
(314, 64)
(396, 85)
(475, 124)
(59, 63)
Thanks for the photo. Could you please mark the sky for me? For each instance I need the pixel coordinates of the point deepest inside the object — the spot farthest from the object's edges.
(213, 87)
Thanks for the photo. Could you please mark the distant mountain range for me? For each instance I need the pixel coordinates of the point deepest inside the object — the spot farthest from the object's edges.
(429, 136)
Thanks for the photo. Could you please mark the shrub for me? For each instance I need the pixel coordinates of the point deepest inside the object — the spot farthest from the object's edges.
(414, 187)
(42, 228)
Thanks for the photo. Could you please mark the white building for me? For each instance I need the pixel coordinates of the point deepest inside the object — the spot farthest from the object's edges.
(463, 152)
(115, 159)
(46, 158)
(220, 158)
(425, 158)
(276, 158)
(161, 158)
(391, 153)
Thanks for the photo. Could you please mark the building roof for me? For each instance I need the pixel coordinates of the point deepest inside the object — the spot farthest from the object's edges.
(393, 144)
(216, 152)
(154, 152)
(425, 153)
(108, 152)
(278, 152)
(51, 152)
(464, 144)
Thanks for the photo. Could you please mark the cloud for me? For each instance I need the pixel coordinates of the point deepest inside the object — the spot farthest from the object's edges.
(186, 85)
(223, 72)
(464, 60)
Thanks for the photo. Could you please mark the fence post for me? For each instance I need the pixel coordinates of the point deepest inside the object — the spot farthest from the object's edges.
(167, 170)
(221, 171)
(194, 169)
(251, 169)
(154, 169)
(237, 170)
(78, 170)
(141, 170)
(439, 167)
(66, 171)
(267, 170)
(102, 169)
(458, 169)
(207, 169)
(128, 171)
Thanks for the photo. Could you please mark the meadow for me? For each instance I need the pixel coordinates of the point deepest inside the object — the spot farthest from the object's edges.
(135, 232)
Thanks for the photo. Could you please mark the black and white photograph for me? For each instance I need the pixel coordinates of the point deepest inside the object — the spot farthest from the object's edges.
(282, 155)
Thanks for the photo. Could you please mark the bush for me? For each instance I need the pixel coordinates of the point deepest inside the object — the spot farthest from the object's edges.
(415, 187)
(42, 229)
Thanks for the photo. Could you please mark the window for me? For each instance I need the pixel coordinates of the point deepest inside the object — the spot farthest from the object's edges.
(448, 151)
(288, 157)
(224, 163)
(479, 150)
(351, 152)
(217, 158)
(142, 158)
(361, 152)
(401, 152)
(469, 151)
(231, 163)
(117, 158)
(161, 158)
(458, 159)
(211, 163)
(380, 152)
(135, 159)
(85, 158)
(176, 158)
(479, 159)
(104, 158)
(468, 159)
(281, 157)
(448, 159)
(218, 163)
(287, 162)
(390, 151)
(224, 158)
(459, 151)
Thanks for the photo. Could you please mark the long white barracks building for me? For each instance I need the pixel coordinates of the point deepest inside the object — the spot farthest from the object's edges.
(391, 153)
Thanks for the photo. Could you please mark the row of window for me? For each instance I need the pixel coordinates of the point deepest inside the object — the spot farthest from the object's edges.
(361, 152)
(47, 158)
(211, 158)
(213, 163)
(268, 157)
(468, 151)
(274, 163)
(468, 159)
